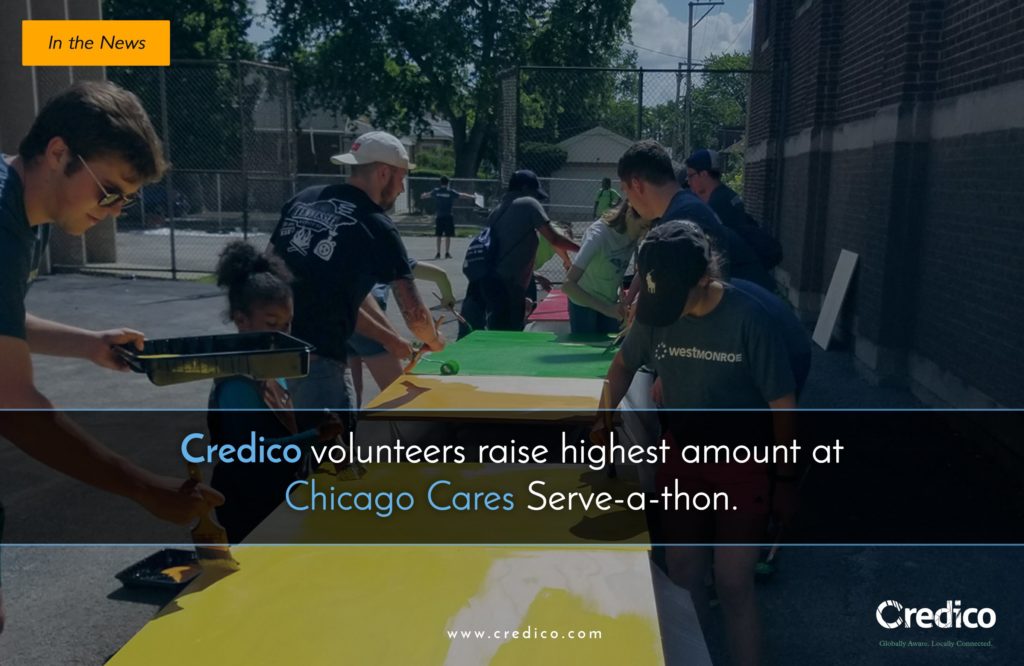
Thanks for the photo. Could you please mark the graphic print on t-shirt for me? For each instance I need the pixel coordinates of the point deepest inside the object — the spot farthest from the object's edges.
(309, 219)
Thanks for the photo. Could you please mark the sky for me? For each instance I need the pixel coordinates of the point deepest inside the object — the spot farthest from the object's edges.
(658, 26)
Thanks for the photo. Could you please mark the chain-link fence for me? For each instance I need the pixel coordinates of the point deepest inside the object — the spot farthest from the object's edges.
(226, 130)
(570, 125)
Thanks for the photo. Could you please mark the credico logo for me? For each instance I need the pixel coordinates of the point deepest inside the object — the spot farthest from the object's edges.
(889, 603)
(950, 616)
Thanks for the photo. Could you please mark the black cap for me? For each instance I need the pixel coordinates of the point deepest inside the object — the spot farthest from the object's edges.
(672, 260)
(704, 160)
(525, 179)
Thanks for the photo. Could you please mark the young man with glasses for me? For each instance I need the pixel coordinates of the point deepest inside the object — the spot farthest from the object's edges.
(85, 157)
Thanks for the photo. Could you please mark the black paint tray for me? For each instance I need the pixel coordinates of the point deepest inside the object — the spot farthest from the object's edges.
(256, 355)
(150, 572)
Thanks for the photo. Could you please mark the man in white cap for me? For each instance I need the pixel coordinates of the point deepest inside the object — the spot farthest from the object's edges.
(338, 241)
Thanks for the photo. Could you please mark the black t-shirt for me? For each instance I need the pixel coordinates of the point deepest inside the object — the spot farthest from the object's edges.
(337, 243)
(21, 251)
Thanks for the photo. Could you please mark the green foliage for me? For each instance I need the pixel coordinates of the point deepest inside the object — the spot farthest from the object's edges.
(398, 60)
(542, 158)
(438, 160)
(204, 29)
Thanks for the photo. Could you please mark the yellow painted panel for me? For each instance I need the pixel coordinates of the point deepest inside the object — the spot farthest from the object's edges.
(349, 605)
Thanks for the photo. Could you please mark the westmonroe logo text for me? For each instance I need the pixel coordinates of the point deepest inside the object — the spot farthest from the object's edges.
(891, 614)
(663, 351)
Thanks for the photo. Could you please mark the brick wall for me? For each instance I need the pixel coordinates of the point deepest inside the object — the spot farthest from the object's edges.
(930, 201)
(981, 45)
(970, 307)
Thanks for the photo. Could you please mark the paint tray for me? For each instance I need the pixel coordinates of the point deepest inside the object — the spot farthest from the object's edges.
(169, 568)
(256, 355)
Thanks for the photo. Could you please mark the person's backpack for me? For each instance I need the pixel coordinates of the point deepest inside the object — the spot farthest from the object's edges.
(765, 246)
(481, 255)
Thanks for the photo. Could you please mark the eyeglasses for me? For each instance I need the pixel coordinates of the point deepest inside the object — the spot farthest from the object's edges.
(110, 199)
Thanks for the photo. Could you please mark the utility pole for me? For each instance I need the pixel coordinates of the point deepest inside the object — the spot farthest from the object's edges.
(689, 64)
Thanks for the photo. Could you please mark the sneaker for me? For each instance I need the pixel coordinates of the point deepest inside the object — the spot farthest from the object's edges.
(447, 255)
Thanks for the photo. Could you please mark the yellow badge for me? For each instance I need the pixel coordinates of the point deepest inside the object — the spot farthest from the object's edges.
(650, 283)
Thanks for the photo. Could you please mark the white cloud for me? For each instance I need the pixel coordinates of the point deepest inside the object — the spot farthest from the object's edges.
(654, 28)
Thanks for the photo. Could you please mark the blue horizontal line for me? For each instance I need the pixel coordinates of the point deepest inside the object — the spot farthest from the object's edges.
(417, 410)
(516, 545)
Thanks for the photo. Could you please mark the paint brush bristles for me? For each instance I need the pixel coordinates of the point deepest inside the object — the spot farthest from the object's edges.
(209, 536)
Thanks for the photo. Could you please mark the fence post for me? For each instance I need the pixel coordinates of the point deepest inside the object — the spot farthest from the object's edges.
(675, 125)
(241, 140)
(220, 208)
(168, 178)
(515, 126)
(640, 104)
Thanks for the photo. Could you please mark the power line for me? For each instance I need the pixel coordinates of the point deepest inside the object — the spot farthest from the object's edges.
(742, 28)
(671, 55)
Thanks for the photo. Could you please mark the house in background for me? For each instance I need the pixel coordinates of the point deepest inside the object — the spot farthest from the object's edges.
(591, 156)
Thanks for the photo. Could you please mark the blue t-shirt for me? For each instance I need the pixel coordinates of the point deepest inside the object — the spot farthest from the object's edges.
(337, 243)
(444, 198)
(21, 251)
(740, 259)
(794, 335)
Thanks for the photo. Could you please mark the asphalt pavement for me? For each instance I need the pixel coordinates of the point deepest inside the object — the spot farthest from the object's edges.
(64, 605)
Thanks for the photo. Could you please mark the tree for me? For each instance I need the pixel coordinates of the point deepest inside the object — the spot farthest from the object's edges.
(204, 29)
(398, 60)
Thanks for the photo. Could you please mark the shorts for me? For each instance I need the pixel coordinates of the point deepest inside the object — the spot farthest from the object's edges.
(748, 485)
(362, 346)
(328, 386)
(444, 225)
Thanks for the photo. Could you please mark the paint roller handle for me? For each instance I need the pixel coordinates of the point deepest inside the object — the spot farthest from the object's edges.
(424, 348)
(451, 308)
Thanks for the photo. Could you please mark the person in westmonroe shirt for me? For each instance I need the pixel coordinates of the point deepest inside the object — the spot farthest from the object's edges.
(444, 222)
(85, 157)
(337, 242)
(714, 348)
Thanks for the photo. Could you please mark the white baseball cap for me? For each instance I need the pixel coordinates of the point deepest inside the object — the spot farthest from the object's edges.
(376, 147)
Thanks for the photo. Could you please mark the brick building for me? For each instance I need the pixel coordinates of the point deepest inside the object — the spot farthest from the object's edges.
(891, 128)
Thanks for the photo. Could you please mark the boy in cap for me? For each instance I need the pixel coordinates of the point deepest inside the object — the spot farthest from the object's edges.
(498, 301)
(338, 241)
(713, 347)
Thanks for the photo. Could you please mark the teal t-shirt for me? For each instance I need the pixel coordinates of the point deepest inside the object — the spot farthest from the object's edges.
(21, 251)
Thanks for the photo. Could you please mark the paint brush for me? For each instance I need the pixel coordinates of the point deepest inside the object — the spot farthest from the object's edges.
(617, 341)
(209, 536)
